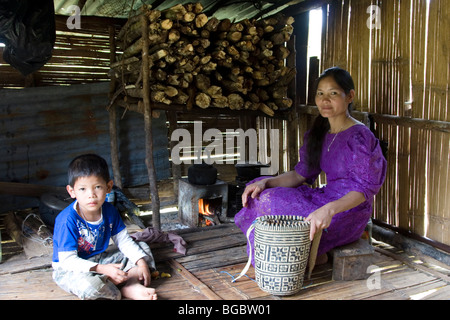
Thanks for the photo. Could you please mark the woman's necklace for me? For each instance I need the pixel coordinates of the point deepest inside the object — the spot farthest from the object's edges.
(335, 138)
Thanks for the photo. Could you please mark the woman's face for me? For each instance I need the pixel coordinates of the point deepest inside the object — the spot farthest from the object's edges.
(331, 100)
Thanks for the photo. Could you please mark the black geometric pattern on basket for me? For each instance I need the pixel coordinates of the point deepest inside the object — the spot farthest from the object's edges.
(281, 253)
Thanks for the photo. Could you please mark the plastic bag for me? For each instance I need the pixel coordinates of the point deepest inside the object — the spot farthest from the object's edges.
(27, 28)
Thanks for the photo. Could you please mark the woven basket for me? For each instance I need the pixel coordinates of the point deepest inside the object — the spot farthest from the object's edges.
(282, 246)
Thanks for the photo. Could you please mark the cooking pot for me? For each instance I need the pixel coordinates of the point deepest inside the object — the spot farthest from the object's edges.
(203, 174)
(249, 170)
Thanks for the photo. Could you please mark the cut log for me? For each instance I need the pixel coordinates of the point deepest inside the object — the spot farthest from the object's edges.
(201, 61)
(166, 24)
(202, 100)
(235, 101)
(202, 82)
(234, 36)
(181, 98)
(201, 20)
(214, 92)
(264, 108)
(283, 103)
(159, 96)
(212, 24)
(176, 12)
(220, 102)
(189, 17)
(224, 25)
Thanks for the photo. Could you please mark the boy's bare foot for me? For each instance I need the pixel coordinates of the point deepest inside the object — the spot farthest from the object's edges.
(137, 291)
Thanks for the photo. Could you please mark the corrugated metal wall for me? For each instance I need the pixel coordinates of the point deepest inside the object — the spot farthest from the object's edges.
(42, 129)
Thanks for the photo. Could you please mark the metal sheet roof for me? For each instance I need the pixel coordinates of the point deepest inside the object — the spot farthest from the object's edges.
(233, 9)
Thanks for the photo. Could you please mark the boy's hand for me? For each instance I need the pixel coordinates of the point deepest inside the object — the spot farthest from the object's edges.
(143, 272)
(113, 271)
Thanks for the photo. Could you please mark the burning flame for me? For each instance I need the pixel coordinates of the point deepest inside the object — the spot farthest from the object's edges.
(203, 208)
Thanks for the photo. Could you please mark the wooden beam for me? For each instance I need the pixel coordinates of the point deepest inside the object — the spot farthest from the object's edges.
(435, 125)
(195, 282)
(28, 190)
(400, 237)
(89, 23)
(414, 265)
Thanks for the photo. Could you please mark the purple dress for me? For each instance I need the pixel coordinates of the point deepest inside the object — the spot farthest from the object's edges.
(354, 162)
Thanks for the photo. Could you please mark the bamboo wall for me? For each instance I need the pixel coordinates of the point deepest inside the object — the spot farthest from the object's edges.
(402, 70)
(228, 124)
(79, 56)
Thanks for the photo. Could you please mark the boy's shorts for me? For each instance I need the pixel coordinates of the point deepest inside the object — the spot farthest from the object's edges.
(92, 285)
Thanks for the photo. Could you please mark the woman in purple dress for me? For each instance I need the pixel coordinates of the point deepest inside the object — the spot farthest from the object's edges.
(349, 154)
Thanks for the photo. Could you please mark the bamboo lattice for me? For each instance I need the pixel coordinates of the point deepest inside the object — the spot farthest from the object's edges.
(401, 69)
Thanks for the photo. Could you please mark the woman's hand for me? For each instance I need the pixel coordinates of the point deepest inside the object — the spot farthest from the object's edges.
(290, 179)
(320, 219)
(253, 190)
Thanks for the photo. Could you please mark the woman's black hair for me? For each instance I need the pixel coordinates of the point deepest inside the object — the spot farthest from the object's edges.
(321, 125)
(88, 165)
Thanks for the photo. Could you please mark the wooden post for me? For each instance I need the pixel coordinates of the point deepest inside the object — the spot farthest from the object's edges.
(313, 75)
(176, 168)
(292, 127)
(156, 221)
(301, 25)
(113, 136)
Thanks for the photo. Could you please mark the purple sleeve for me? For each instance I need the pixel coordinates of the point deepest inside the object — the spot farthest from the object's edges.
(367, 165)
(302, 166)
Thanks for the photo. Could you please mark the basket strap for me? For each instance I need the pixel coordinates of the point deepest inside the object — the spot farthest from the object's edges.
(247, 266)
(313, 252)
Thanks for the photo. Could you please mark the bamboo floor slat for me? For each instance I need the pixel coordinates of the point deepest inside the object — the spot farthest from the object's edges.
(215, 255)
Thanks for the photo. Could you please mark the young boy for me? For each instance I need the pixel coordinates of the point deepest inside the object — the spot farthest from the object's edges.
(82, 262)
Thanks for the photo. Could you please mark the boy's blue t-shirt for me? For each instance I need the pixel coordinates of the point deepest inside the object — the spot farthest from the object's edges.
(71, 232)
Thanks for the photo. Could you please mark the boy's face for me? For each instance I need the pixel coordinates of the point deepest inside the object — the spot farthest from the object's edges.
(90, 193)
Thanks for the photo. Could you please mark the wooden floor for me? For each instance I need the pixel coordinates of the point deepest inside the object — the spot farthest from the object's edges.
(216, 254)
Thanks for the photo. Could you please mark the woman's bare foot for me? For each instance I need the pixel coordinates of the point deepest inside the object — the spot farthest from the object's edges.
(322, 259)
(136, 291)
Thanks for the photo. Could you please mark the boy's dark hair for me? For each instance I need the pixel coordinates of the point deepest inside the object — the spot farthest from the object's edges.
(88, 165)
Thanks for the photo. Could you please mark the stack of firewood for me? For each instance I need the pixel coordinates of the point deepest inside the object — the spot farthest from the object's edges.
(196, 60)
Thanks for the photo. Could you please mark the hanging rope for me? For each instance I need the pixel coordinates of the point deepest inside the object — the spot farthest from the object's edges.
(41, 236)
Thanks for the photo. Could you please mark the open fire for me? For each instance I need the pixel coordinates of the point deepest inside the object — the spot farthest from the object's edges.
(208, 210)
(202, 205)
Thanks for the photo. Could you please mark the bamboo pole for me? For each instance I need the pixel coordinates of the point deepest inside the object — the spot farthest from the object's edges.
(156, 221)
(176, 168)
(194, 281)
(407, 122)
(292, 114)
(113, 136)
